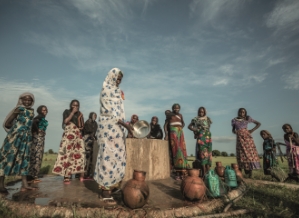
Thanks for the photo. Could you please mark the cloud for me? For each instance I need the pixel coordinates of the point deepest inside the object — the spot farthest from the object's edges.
(292, 81)
(285, 15)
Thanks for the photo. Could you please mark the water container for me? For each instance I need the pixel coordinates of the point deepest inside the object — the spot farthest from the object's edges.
(212, 183)
(230, 177)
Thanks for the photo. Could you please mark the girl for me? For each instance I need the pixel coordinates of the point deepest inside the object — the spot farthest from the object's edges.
(247, 156)
(200, 126)
(39, 127)
(14, 154)
(89, 136)
(134, 119)
(292, 143)
(111, 160)
(71, 155)
(177, 141)
(156, 131)
(269, 159)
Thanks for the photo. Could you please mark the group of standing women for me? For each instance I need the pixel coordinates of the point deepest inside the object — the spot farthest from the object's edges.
(23, 148)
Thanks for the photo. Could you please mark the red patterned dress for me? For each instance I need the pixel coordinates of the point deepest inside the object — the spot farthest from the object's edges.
(247, 155)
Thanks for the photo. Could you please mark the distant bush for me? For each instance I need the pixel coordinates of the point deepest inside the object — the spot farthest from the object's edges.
(51, 151)
(224, 154)
(216, 153)
(232, 154)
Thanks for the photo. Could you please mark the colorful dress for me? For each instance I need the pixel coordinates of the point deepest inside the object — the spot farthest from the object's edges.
(15, 152)
(247, 155)
(111, 160)
(37, 148)
(269, 157)
(203, 149)
(292, 151)
(71, 155)
(178, 145)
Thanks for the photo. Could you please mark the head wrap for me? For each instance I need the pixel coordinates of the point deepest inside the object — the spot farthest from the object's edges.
(19, 104)
(204, 109)
(268, 133)
(133, 116)
(286, 124)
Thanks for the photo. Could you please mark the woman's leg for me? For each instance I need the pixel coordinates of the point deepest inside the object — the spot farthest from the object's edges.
(25, 185)
(2, 188)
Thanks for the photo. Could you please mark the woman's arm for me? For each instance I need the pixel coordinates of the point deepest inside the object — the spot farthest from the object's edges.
(183, 122)
(295, 138)
(68, 119)
(257, 125)
(190, 126)
(166, 129)
(9, 121)
(128, 127)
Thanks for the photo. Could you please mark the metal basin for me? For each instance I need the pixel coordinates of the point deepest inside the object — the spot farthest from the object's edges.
(141, 129)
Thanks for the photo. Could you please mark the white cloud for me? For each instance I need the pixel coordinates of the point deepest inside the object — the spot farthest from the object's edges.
(224, 139)
(292, 81)
(284, 15)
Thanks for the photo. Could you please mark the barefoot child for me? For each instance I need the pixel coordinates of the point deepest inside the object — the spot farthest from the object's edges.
(269, 159)
(292, 143)
(39, 127)
(14, 154)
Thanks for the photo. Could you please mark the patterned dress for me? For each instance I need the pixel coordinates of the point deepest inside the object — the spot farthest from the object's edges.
(37, 148)
(203, 149)
(178, 145)
(71, 155)
(247, 155)
(111, 160)
(292, 151)
(269, 158)
(15, 152)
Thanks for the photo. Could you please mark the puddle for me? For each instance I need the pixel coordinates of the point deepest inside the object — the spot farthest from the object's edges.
(42, 201)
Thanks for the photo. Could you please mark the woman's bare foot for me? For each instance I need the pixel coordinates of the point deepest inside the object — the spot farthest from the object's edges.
(107, 198)
(27, 188)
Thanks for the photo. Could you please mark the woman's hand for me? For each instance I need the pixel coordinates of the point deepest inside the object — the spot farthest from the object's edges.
(75, 109)
(166, 138)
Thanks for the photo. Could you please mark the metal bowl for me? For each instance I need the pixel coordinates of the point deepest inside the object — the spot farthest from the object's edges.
(141, 129)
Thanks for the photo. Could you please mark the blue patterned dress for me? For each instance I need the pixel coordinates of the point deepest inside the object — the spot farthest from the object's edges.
(15, 152)
(111, 160)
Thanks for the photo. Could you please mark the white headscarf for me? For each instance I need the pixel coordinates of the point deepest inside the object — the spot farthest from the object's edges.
(20, 103)
(112, 107)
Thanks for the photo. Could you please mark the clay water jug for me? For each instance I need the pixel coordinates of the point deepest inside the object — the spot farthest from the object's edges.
(219, 169)
(213, 184)
(230, 177)
(136, 191)
(237, 171)
(192, 187)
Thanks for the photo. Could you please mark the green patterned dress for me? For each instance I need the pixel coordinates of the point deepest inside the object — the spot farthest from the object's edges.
(15, 151)
(203, 136)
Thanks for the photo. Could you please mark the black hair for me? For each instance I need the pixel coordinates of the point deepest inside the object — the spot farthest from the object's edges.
(75, 100)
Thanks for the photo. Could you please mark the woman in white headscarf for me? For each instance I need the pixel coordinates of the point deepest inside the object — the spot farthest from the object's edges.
(15, 151)
(111, 160)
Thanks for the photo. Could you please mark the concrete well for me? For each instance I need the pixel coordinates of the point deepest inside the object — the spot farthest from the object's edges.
(149, 155)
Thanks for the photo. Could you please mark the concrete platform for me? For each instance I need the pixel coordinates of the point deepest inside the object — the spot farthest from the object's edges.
(52, 191)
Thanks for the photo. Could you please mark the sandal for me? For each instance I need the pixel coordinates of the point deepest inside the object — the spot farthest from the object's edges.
(66, 181)
(36, 180)
(109, 201)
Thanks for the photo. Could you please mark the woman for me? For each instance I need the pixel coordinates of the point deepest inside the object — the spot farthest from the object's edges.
(269, 158)
(156, 131)
(89, 136)
(71, 155)
(15, 151)
(39, 127)
(247, 156)
(111, 160)
(134, 119)
(292, 143)
(176, 124)
(200, 126)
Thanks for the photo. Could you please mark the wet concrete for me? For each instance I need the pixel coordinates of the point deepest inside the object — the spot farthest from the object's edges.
(52, 191)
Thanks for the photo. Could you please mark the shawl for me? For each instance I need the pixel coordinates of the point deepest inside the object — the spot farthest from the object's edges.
(77, 119)
(40, 116)
(19, 104)
(90, 126)
(156, 130)
(112, 108)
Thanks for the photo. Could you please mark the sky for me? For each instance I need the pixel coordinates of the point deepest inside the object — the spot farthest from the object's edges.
(220, 54)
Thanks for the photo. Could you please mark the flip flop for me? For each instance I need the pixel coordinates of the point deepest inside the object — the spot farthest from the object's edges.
(23, 189)
(109, 201)
(66, 181)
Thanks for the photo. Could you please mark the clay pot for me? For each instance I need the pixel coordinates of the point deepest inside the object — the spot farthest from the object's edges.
(192, 187)
(219, 169)
(136, 191)
(237, 171)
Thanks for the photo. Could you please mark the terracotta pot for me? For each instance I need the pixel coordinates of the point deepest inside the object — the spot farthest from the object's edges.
(136, 191)
(237, 171)
(192, 187)
(219, 169)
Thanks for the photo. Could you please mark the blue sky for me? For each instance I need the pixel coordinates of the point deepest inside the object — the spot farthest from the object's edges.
(221, 54)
